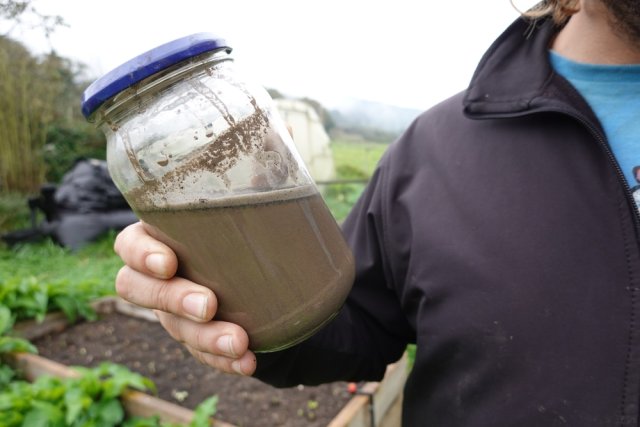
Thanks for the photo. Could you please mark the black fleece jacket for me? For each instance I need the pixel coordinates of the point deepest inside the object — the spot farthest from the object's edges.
(499, 235)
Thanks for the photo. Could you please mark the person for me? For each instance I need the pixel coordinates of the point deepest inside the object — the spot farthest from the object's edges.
(498, 233)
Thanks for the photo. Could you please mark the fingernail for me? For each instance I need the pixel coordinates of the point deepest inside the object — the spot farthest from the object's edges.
(225, 345)
(235, 365)
(195, 305)
(157, 264)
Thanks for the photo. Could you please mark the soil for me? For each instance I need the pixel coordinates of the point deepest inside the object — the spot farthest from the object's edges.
(145, 347)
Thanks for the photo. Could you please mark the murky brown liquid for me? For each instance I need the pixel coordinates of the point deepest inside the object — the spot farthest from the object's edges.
(277, 261)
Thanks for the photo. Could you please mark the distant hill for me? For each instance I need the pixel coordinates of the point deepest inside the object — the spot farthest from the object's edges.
(373, 121)
(359, 115)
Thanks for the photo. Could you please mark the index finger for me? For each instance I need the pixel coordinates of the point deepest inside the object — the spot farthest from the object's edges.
(145, 254)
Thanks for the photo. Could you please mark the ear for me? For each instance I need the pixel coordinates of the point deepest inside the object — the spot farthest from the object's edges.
(636, 173)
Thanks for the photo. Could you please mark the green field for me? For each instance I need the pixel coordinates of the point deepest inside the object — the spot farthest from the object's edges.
(354, 160)
(362, 156)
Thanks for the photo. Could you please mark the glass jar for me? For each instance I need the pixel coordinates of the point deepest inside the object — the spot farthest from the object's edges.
(203, 158)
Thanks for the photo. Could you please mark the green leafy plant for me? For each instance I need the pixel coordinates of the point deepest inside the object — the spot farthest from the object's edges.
(202, 417)
(88, 400)
(90, 271)
(84, 401)
(38, 278)
(91, 399)
(204, 412)
(8, 345)
(28, 298)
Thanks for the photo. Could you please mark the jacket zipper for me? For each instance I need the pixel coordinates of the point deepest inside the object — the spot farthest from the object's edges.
(604, 144)
(619, 172)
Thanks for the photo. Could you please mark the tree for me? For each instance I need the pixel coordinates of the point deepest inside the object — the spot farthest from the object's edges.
(15, 12)
(40, 123)
(25, 112)
(42, 131)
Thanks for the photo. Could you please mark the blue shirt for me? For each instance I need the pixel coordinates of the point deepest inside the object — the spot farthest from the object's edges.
(613, 93)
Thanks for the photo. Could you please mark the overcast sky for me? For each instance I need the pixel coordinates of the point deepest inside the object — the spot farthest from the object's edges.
(408, 53)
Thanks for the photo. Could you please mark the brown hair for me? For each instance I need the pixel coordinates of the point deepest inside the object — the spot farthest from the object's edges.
(559, 10)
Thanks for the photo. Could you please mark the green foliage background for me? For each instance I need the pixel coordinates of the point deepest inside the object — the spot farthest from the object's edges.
(42, 131)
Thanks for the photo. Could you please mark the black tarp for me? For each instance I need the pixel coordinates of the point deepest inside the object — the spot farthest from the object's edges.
(85, 205)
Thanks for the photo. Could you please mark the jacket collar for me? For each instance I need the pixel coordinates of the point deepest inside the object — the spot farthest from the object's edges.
(514, 77)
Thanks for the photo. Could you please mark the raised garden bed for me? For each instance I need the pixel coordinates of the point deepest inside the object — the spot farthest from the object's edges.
(130, 336)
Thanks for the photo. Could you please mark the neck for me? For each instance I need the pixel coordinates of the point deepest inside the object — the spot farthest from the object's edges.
(590, 36)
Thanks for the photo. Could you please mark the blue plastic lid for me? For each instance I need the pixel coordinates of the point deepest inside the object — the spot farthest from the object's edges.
(146, 64)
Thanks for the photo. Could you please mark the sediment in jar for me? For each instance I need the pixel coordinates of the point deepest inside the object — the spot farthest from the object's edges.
(276, 260)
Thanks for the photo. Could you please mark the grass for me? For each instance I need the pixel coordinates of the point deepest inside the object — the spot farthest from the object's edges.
(92, 268)
(354, 160)
(360, 155)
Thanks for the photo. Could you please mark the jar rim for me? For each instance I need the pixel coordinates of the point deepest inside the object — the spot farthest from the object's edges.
(147, 64)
